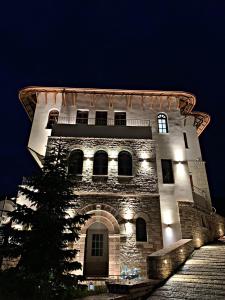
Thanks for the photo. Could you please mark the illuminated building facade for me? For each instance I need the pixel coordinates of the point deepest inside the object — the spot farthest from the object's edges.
(136, 163)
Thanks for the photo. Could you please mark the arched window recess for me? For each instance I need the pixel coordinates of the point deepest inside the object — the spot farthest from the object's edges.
(100, 166)
(141, 230)
(125, 164)
(162, 121)
(52, 118)
(75, 162)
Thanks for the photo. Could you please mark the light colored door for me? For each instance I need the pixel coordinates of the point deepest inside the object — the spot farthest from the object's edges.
(96, 258)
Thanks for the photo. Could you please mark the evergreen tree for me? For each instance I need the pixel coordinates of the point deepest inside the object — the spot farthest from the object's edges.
(48, 225)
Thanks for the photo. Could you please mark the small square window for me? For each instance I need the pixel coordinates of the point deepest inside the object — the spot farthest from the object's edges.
(82, 117)
(120, 118)
(101, 118)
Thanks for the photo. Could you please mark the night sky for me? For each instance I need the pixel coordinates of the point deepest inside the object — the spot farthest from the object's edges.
(169, 45)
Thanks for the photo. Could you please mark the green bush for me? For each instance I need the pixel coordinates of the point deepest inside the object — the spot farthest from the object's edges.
(13, 286)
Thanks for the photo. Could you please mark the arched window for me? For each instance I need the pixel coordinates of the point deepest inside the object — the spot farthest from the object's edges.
(141, 233)
(52, 118)
(125, 163)
(100, 163)
(75, 162)
(162, 123)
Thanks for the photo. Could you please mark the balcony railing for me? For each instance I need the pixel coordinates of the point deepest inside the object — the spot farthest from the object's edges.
(104, 122)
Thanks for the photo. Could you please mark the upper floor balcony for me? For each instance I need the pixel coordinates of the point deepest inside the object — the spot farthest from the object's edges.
(102, 128)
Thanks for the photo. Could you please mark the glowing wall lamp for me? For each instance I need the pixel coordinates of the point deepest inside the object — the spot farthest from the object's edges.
(144, 159)
(180, 162)
(128, 227)
(178, 154)
(221, 233)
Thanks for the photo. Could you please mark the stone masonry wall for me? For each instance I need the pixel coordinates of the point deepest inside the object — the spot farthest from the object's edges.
(124, 198)
(133, 254)
(200, 224)
(144, 179)
(163, 263)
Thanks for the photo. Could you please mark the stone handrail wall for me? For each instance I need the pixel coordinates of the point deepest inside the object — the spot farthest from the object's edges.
(161, 264)
(201, 202)
(219, 225)
(200, 225)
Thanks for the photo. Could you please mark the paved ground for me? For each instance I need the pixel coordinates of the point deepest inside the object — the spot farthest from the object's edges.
(104, 297)
(202, 277)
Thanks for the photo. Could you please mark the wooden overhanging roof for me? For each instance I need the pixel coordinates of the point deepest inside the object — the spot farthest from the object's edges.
(187, 101)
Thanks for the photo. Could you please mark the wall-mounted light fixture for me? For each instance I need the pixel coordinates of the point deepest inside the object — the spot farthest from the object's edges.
(88, 158)
(179, 162)
(128, 227)
(144, 159)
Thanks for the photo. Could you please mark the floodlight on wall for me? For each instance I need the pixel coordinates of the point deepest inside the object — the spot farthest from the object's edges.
(180, 162)
(198, 242)
(88, 157)
(128, 227)
(144, 159)
(221, 232)
(178, 154)
(112, 154)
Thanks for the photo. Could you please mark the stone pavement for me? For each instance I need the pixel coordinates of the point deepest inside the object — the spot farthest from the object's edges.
(202, 277)
(105, 297)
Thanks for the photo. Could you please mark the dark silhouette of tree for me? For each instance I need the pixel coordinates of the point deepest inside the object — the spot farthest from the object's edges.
(48, 225)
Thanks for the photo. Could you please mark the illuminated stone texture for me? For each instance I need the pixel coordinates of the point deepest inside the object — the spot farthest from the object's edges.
(201, 277)
(179, 209)
(162, 263)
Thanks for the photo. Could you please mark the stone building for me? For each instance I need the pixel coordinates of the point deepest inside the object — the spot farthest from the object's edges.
(137, 167)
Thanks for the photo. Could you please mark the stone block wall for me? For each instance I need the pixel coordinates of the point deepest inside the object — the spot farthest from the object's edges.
(125, 250)
(218, 225)
(163, 263)
(202, 225)
(144, 179)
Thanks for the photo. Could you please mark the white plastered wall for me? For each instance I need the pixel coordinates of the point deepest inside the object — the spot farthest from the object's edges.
(171, 146)
(39, 134)
(195, 163)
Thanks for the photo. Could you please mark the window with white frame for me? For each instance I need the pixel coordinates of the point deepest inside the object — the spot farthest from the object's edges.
(162, 123)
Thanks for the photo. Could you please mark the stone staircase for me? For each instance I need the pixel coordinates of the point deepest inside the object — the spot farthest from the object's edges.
(201, 277)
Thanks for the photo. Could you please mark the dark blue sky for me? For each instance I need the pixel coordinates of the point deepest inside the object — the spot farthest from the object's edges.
(172, 45)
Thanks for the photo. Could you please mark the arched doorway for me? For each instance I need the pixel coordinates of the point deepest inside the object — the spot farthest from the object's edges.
(96, 257)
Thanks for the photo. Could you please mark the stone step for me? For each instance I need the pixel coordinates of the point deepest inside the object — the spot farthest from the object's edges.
(205, 256)
(209, 289)
(201, 262)
(206, 266)
(182, 296)
(203, 274)
(187, 286)
(203, 268)
(201, 277)
(163, 298)
(191, 283)
(196, 279)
